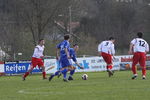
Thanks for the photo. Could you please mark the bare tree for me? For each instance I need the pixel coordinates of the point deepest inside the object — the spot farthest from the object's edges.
(40, 14)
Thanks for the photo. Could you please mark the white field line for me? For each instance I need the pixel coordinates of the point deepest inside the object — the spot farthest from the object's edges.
(38, 90)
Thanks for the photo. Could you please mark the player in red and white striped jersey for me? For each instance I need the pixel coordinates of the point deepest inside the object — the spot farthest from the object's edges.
(37, 59)
(107, 51)
(139, 47)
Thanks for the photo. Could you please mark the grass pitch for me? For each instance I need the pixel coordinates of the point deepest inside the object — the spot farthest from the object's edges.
(98, 87)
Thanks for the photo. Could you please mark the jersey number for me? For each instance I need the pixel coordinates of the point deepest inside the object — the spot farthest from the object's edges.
(61, 47)
(106, 43)
(142, 43)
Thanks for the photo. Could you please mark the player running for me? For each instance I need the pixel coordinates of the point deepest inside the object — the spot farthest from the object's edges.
(72, 53)
(73, 57)
(107, 51)
(63, 49)
(139, 47)
(37, 59)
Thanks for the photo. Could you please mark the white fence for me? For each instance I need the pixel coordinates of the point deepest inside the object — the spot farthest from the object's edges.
(90, 64)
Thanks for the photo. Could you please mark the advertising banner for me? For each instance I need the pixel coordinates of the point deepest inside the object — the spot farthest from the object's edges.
(16, 68)
(90, 64)
(126, 62)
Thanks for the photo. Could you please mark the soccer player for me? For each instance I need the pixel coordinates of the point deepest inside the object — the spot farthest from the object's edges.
(73, 57)
(139, 47)
(63, 50)
(107, 51)
(37, 59)
(72, 53)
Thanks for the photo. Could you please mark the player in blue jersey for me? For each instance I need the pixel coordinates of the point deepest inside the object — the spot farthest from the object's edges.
(72, 52)
(73, 57)
(62, 54)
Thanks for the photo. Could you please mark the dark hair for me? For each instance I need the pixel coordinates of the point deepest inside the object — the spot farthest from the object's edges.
(40, 40)
(111, 38)
(66, 37)
(75, 45)
(140, 34)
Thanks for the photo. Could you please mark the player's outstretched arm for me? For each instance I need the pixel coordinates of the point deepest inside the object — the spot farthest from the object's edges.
(66, 51)
(131, 49)
(99, 49)
(147, 48)
(57, 53)
(79, 65)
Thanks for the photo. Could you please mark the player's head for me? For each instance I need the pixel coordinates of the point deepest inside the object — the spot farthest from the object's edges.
(140, 34)
(66, 37)
(111, 39)
(76, 47)
(41, 42)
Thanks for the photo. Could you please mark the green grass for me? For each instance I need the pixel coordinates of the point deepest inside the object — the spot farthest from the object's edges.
(98, 87)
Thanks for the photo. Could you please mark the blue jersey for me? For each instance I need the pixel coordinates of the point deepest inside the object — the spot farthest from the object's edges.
(64, 44)
(73, 54)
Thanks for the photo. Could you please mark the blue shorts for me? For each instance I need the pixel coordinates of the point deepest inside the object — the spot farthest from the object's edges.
(65, 62)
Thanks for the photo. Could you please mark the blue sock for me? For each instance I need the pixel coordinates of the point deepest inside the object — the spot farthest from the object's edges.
(52, 75)
(64, 72)
(57, 73)
(72, 72)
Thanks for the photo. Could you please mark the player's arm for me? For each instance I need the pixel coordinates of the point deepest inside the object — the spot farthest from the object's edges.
(79, 65)
(75, 60)
(36, 52)
(42, 56)
(99, 49)
(67, 53)
(113, 51)
(131, 48)
(57, 53)
(147, 48)
(66, 46)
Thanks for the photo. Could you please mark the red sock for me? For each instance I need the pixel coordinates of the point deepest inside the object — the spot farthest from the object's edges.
(44, 74)
(109, 67)
(26, 74)
(134, 70)
(144, 71)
